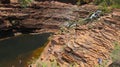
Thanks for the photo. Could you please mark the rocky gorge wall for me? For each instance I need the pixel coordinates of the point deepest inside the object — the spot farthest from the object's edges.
(85, 45)
(40, 16)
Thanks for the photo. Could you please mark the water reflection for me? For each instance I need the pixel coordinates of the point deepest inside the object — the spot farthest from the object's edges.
(17, 51)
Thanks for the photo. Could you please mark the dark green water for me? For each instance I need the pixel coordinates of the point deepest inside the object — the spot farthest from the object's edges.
(21, 50)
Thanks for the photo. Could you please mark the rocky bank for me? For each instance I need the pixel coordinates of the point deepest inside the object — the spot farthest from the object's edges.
(85, 45)
(82, 46)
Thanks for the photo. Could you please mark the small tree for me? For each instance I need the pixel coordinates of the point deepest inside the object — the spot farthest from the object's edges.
(25, 3)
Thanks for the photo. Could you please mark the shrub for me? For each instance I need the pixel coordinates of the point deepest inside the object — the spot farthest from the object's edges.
(107, 3)
(25, 3)
(116, 52)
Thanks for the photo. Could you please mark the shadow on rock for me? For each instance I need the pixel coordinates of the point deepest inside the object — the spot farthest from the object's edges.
(115, 64)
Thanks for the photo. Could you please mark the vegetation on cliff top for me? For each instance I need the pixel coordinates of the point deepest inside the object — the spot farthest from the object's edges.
(108, 3)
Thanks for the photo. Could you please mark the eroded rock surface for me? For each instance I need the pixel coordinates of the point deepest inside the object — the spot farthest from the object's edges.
(84, 45)
(39, 16)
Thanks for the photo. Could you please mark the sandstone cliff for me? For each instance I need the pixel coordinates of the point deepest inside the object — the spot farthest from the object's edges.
(39, 17)
(84, 45)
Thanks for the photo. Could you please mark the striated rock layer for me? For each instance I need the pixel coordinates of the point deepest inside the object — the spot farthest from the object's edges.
(38, 17)
(85, 45)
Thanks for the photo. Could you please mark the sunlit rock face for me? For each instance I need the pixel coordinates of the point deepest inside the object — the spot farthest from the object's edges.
(13, 1)
(88, 44)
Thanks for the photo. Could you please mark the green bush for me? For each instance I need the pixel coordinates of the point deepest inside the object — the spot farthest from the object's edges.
(25, 3)
(116, 52)
(107, 3)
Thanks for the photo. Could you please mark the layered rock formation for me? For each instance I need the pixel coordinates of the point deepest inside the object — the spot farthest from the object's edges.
(87, 45)
(39, 17)
(83, 46)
